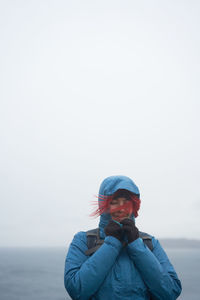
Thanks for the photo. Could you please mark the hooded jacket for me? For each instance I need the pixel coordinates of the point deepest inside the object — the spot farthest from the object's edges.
(116, 272)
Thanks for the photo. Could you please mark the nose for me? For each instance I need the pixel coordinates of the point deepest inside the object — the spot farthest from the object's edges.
(121, 203)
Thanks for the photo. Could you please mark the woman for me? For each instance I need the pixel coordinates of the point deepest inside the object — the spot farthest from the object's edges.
(121, 263)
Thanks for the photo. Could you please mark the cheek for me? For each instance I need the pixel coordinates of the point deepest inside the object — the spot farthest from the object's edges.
(130, 208)
(113, 209)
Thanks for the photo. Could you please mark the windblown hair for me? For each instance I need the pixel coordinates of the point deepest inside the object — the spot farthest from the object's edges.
(103, 202)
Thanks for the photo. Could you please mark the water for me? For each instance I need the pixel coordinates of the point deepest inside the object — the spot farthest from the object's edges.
(32, 274)
(35, 273)
(187, 265)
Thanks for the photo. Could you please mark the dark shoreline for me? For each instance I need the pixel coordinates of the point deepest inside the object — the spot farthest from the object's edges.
(180, 243)
(165, 242)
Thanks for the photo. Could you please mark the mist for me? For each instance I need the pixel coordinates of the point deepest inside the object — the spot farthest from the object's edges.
(93, 89)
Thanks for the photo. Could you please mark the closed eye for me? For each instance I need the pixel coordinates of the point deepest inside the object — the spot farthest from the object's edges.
(113, 202)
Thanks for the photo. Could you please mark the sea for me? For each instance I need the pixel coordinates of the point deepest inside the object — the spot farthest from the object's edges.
(37, 273)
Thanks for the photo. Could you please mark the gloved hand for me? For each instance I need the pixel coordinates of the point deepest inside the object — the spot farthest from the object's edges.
(130, 229)
(114, 229)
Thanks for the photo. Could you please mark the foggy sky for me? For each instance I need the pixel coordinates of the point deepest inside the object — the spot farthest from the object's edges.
(91, 89)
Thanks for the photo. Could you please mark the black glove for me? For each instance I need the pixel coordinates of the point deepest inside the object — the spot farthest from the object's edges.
(114, 229)
(130, 229)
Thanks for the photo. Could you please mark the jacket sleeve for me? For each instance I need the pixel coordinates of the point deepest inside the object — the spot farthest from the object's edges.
(155, 269)
(84, 275)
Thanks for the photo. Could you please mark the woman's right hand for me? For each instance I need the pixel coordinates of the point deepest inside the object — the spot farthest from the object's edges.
(115, 230)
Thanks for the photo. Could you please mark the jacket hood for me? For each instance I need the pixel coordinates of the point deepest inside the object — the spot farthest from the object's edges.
(108, 187)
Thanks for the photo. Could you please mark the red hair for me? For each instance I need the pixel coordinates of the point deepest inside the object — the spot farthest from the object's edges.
(104, 202)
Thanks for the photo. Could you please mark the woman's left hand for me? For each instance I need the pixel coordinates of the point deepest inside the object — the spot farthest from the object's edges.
(130, 229)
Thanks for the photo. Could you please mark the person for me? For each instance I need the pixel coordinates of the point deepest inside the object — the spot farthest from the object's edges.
(123, 266)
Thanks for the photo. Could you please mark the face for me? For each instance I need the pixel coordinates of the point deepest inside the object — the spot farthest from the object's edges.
(120, 208)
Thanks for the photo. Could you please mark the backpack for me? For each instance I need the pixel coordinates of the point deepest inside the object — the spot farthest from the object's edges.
(94, 241)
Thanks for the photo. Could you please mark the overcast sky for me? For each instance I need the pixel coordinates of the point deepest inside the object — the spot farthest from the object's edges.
(91, 89)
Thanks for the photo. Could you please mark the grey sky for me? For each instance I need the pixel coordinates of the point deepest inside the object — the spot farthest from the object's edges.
(91, 89)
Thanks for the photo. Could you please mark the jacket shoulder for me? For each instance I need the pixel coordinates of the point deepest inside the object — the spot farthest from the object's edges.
(80, 238)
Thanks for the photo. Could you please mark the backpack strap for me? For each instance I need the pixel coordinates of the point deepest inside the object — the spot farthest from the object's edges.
(147, 239)
(93, 241)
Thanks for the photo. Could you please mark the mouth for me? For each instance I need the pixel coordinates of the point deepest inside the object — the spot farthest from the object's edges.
(120, 217)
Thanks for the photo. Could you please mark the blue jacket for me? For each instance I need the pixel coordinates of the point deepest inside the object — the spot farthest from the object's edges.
(115, 272)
